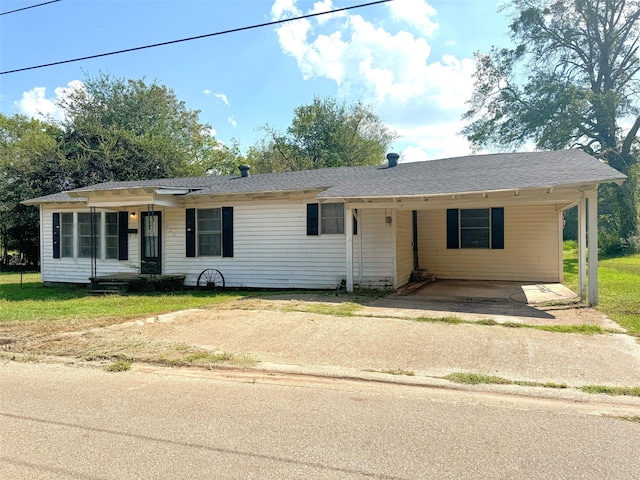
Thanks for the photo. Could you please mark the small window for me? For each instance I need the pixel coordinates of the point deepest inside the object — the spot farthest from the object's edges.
(111, 235)
(332, 218)
(209, 232)
(88, 234)
(66, 235)
(474, 228)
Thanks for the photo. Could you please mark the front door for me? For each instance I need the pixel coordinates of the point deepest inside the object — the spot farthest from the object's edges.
(151, 258)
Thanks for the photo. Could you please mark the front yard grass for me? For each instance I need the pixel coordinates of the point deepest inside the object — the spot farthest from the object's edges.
(32, 301)
(619, 286)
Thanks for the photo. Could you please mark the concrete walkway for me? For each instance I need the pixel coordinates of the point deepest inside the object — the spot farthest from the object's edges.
(379, 341)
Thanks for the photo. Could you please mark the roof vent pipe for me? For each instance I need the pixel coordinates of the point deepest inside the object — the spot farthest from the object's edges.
(392, 158)
(244, 170)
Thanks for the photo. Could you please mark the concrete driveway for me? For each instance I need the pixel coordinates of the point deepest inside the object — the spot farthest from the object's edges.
(503, 302)
(384, 336)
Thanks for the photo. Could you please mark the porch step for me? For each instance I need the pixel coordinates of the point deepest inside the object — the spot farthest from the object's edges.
(109, 286)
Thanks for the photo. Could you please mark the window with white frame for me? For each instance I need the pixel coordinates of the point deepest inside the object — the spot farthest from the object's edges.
(66, 234)
(475, 228)
(331, 218)
(83, 234)
(209, 231)
(89, 228)
(111, 235)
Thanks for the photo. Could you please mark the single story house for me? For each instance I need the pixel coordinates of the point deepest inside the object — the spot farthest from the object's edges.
(483, 217)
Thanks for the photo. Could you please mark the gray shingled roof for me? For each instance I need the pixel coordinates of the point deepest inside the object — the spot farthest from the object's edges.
(478, 173)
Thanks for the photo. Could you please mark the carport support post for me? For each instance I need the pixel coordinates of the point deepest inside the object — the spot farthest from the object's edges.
(582, 248)
(348, 215)
(592, 198)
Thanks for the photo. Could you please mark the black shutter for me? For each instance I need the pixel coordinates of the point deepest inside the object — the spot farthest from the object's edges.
(56, 235)
(190, 232)
(355, 225)
(312, 219)
(123, 235)
(497, 228)
(452, 228)
(227, 231)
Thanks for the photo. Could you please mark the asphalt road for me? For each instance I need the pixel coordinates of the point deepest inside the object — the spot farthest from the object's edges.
(63, 422)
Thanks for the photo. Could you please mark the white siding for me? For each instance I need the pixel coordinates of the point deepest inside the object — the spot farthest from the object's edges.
(271, 249)
(404, 247)
(75, 270)
(377, 248)
(531, 239)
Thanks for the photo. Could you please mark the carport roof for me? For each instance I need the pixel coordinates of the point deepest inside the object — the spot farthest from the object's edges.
(478, 173)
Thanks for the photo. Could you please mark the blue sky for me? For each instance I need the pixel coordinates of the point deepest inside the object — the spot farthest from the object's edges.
(412, 60)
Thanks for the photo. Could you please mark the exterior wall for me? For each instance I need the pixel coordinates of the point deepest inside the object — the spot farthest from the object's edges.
(531, 236)
(77, 270)
(404, 248)
(376, 238)
(271, 249)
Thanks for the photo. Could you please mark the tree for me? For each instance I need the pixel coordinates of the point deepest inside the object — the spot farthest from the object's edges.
(114, 130)
(118, 129)
(572, 80)
(30, 165)
(326, 133)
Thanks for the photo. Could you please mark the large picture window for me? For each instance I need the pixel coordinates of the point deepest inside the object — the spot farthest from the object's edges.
(475, 228)
(83, 235)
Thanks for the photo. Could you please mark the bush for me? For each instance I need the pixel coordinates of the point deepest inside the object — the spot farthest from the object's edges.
(612, 245)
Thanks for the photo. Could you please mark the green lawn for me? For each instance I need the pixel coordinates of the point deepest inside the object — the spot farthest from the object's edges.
(34, 301)
(619, 296)
(619, 286)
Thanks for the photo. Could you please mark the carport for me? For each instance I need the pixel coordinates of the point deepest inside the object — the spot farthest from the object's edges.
(483, 218)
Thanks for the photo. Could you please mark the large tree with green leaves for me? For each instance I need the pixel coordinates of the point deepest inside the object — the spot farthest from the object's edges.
(117, 129)
(31, 165)
(114, 129)
(572, 79)
(325, 133)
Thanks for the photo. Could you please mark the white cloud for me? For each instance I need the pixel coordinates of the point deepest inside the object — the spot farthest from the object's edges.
(35, 103)
(416, 13)
(430, 142)
(220, 96)
(232, 121)
(387, 64)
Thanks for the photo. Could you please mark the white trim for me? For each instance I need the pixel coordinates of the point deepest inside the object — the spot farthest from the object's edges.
(593, 247)
(561, 247)
(348, 215)
(582, 248)
(394, 248)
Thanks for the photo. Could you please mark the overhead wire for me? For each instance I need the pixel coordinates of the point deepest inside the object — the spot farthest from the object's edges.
(197, 37)
(27, 8)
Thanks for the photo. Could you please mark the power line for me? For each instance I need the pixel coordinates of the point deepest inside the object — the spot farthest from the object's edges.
(27, 8)
(224, 32)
